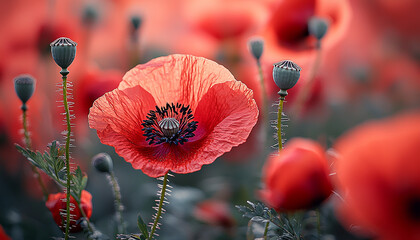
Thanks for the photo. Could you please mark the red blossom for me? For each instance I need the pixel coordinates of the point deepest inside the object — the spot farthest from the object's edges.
(378, 172)
(297, 178)
(214, 212)
(212, 110)
(3, 235)
(56, 203)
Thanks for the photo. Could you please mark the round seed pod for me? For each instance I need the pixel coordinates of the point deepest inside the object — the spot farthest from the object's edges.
(318, 27)
(286, 74)
(63, 51)
(256, 47)
(24, 87)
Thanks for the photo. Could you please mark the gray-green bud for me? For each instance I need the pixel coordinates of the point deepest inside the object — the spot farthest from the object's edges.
(136, 22)
(286, 74)
(63, 51)
(318, 27)
(24, 87)
(256, 47)
(102, 162)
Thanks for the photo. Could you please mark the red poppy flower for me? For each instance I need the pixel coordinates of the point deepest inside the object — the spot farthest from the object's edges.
(56, 203)
(297, 178)
(214, 212)
(378, 172)
(3, 235)
(175, 113)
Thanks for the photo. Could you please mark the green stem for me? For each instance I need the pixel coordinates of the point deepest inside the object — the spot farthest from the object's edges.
(118, 205)
(318, 223)
(264, 93)
(159, 211)
(66, 108)
(85, 217)
(279, 117)
(28, 144)
(266, 230)
(303, 95)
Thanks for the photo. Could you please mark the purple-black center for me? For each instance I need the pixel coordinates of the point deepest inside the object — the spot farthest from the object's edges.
(171, 124)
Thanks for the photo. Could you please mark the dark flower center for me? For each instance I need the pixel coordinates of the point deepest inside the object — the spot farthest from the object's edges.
(169, 124)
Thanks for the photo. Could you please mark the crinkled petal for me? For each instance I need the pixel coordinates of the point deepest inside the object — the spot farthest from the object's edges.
(183, 79)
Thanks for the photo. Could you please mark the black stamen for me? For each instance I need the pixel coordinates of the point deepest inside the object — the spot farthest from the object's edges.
(169, 124)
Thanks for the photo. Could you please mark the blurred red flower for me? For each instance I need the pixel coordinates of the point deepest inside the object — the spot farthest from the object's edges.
(56, 203)
(378, 172)
(297, 178)
(215, 212)
(3, 235)
(175, 113)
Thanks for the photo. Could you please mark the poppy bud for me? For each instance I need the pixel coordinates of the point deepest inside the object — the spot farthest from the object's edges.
(256, 47)
(24, 87)
(317, 27)
(136, 22)
(56, 203)
(102, 162)
(90, 15)
(63, 51)
(297, 178)
(286, 74)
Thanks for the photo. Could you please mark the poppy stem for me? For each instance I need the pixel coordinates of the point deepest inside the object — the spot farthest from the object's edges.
(28, 144)
(159, 209)
(266, 230)
(279, 118)
(264, 96)
(85, 217)
(68, 134)
(303, 94)
(118, 206)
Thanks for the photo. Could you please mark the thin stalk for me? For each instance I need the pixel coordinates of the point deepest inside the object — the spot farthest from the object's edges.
(264, 96)
(279, 117)
(118, 205)
(266, 230)
(66, 108)
(159, 211)
(28, 144)
(303, 95)
(318, 222)
(85, 217)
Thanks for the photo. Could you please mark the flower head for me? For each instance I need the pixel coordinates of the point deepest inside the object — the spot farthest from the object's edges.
(174, 113)
(56, 203)
(378, 172)
(297, 178)
(215, 212)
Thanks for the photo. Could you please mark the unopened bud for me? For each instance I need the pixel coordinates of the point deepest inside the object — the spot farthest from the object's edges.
(286, 74)
(317, 27)
(63, 51)
(256, 47)
(102, 162)
(24, 87)
(136, 22)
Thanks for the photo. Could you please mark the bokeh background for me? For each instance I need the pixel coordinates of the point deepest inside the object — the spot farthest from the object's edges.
(369, 67)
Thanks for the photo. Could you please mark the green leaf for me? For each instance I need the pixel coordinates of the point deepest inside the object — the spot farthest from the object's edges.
(142, 226)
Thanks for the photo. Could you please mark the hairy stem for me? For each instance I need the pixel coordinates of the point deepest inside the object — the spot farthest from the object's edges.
(118, 205)
(28, 144)
(66, 108)
(279, 117)
(159, 211)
